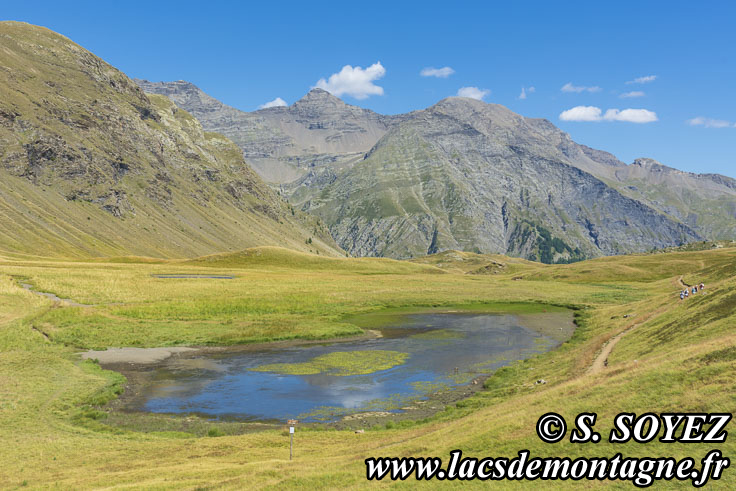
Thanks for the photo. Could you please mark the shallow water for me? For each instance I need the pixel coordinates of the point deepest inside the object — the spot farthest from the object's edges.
(224, 386)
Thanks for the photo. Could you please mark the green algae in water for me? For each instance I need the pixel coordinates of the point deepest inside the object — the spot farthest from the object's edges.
(542, 343)
(439, 334)
(340, 363)
(489, 366)
(425, 387)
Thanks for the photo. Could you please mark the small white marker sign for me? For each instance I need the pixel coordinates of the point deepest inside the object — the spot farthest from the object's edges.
(291, 424)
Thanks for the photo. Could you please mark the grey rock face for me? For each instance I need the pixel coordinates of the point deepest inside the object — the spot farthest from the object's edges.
(283, 143)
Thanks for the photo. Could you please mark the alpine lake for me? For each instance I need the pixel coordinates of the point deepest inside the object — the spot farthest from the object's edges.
(405, 363)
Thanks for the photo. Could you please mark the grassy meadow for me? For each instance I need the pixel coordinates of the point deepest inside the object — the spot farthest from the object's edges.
(56, 432)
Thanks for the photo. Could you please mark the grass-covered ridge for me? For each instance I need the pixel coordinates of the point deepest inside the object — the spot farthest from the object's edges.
(91, 166)
(280, 257)
(676, 356)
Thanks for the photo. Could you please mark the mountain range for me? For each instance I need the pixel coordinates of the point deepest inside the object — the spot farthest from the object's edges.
(93, 163)
(463, 174)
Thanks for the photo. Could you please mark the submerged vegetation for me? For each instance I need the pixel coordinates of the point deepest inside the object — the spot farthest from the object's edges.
(341, 363)
(438, 334)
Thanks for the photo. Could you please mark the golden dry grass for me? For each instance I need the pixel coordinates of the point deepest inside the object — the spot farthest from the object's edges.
(680, 360)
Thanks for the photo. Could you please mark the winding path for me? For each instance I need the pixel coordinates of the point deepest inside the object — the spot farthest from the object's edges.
(601, 360)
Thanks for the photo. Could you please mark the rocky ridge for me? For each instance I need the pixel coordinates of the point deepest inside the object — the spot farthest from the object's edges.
(284, 143)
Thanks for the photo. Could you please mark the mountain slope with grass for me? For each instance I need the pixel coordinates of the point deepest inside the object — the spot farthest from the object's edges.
(477, 177)
(90, 166)
(705, 202)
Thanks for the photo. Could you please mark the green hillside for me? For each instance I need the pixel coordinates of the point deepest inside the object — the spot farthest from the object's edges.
(90, 165)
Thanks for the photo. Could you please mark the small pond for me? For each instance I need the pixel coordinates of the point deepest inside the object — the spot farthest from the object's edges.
(422, 354)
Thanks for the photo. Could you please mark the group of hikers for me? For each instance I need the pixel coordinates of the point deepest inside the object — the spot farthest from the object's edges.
(692, 290)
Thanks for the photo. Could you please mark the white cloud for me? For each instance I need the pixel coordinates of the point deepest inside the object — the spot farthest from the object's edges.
(355, 82)
(643, 80)
(525, 90)
(710, 123)
(473, 92)
(633, 93)
(569, 87)
(595, 114)
(278, 102)
(631, 115)
(443, 72)
(581, 113)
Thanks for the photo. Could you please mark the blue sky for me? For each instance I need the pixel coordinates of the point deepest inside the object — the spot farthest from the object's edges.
(249, 53)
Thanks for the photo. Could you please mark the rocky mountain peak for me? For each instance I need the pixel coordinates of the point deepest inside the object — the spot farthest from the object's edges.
(475, 112)
(458, 103)
(319, 103)
(319, 97)
(646, 162)
(317, 94)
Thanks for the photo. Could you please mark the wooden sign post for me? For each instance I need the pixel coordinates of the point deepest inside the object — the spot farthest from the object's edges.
(292, 423)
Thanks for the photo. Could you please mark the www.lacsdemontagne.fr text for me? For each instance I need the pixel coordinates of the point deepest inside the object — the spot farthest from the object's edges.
(642, 472)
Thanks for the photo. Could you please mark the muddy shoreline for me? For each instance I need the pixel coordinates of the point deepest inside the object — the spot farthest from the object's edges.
(120, 359)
